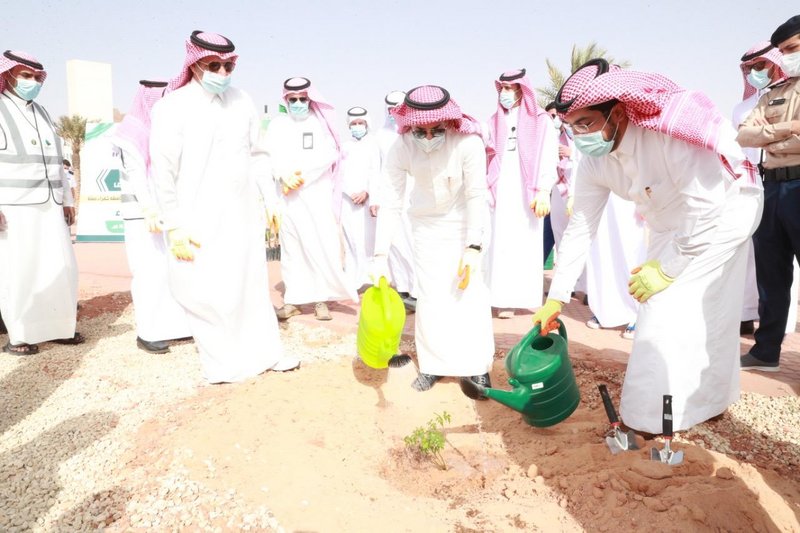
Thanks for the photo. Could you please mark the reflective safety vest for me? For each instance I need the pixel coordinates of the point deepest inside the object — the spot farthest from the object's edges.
(30, 156)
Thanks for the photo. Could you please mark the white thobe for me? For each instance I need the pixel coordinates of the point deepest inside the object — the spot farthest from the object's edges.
(750, 306)
(687, 336)
(618, 247)
(515, 263)
(401, 260)
(38, 271)
(361, 167)
(448, 210)
(207, 167)
(312, 253)
(158, 315)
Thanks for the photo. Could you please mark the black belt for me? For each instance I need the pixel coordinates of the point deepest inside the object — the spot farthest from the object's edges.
(782, 174)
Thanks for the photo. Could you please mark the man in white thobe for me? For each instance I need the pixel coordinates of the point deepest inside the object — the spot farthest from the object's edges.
(521, 176)
(442, 150)
(686, 176)
(361, 167)
(208, 167)
(159, 318)
(38, 272)
(304, 153)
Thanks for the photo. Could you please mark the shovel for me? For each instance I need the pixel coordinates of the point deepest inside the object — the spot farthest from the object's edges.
(617, 440)
(667, 455)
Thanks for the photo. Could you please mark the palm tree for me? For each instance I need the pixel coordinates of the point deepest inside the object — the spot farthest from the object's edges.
(579, 56)
(73, 131)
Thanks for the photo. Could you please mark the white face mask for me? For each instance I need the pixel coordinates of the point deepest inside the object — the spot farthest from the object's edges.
(791, 64)
(429, 145)
(557, 123)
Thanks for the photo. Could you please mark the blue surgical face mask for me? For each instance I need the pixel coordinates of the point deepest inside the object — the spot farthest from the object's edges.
(759, 78)
(215, 83)
(557, 123)
(27, 89)
(594, 144)
(508, 99)
(358, 130)
(298, 109)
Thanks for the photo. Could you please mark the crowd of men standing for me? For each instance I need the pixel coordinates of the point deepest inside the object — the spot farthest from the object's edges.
(451, 210)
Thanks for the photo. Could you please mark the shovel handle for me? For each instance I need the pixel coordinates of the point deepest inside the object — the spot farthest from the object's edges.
(667, 416)
(610, 411)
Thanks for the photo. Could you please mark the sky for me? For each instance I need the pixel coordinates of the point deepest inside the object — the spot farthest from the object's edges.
(356, 51)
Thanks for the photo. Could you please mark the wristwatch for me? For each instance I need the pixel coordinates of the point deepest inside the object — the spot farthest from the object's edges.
(475, 247)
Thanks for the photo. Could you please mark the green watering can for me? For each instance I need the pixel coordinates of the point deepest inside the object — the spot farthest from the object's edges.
(544, 386)
(380, 325)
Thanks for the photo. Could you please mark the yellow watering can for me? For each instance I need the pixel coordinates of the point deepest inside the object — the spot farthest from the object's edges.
(380, 325)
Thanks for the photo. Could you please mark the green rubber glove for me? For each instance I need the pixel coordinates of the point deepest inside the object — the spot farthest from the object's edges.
(648, 279)
(547, 314)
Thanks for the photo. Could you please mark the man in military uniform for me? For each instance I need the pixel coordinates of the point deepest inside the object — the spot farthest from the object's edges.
(774, 126)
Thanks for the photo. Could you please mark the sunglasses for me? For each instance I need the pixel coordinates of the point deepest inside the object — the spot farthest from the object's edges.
(421, 133)
(295, 99)
(214, 66)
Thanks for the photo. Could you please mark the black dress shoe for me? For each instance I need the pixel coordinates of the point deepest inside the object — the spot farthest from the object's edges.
(152, 347)
(747, 327)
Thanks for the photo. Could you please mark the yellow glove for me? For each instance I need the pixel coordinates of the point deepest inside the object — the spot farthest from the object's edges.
(570, 203)
(467, 265)
(547, 314)
(648, 279)
(292, 182)
(179, 244)
(151, 220)
(541, 203)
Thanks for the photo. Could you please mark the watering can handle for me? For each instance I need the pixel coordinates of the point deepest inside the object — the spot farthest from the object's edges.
(537, 329)
(383, 287)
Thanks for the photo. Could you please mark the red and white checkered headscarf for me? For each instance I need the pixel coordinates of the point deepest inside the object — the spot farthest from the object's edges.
(11, 59)
(202, 44)
(430, 104)
(327, 115)
(530, 134)
(653, 102)
(134, 130)
(762, 50)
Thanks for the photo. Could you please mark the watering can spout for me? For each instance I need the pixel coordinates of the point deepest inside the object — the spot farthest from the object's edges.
(516, 399)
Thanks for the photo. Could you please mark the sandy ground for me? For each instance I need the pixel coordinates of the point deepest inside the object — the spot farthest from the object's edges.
(105, 437)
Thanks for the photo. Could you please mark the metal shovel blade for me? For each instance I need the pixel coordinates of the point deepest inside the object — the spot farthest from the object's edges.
(617, 442)
(667, 455)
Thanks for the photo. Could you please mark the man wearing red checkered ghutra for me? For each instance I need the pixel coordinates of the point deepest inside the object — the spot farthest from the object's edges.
(208, 166)
(671, 152)
(441, 149)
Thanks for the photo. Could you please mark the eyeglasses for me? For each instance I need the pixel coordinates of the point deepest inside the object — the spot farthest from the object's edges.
(214, 66)
(421, 133)
(295, 99)
(761, 65)
(584, 128)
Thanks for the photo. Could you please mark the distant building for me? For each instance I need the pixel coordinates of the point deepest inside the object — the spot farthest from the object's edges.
(89, 91)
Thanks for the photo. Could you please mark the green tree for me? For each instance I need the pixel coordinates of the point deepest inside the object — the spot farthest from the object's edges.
(73, 131)
(579, 56)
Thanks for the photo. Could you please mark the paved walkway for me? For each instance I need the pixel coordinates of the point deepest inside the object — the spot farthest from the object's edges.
(104, 269)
